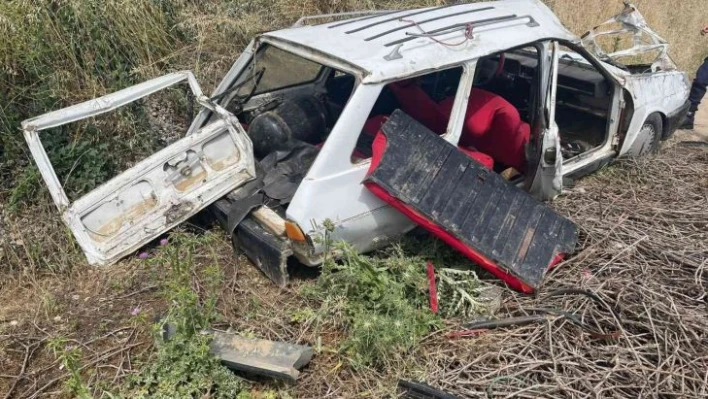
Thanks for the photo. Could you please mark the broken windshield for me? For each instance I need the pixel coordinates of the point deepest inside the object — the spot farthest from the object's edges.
(627, 39)
(272, 69)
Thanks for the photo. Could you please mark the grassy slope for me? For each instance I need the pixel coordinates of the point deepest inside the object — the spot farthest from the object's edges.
(69, 51)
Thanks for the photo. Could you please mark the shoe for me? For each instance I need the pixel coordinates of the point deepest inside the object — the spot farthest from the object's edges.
(687, 123)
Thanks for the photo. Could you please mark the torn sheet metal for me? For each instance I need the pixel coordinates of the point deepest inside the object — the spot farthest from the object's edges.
(644, 39)
(159, 192)
(261, 357)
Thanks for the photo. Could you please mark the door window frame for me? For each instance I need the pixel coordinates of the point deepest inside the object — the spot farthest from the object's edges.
(455, 124)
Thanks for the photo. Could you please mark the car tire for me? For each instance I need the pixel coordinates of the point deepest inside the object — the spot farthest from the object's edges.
(649, 137)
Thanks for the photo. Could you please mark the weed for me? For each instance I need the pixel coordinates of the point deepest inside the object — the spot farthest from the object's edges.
(383, 300)
(183, 366)
(70, 359)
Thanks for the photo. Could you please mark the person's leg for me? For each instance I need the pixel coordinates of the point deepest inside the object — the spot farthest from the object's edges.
(698, 91)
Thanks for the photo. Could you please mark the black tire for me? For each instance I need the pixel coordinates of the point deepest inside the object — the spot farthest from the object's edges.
(649, 137)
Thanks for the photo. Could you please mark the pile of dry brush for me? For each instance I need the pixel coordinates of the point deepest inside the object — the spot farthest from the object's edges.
(644, 252)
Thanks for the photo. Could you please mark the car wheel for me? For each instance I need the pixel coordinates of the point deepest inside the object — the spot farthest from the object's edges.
(649, 136)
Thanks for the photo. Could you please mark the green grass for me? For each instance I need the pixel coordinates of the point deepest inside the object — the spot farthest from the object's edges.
(183, 366)
(65, 52)
(382, 300)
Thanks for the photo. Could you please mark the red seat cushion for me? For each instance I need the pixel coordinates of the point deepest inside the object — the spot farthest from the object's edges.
(492, 124)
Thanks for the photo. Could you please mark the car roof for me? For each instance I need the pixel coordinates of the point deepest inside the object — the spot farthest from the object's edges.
(389, 45)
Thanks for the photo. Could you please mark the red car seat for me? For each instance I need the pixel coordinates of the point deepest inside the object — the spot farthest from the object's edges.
(492, 124)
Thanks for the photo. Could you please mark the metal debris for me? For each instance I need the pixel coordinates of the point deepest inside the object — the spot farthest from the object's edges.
(644, 39)
(414, 390)
(261, 357)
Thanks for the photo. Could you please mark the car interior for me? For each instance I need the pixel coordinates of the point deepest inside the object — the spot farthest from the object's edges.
(583, 102)
(584, 99)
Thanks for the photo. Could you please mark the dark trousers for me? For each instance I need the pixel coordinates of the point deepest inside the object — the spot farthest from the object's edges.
(698, 89)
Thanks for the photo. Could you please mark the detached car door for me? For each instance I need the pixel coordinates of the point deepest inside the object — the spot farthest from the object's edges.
(159, 192)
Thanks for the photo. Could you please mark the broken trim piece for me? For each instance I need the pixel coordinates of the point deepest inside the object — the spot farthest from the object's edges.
(260, 357)
(159, 192)
(645, 40)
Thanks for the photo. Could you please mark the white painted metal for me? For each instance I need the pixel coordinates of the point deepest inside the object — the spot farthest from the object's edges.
(159, 192)
(332, 189)
(661, 92)
(535, 22)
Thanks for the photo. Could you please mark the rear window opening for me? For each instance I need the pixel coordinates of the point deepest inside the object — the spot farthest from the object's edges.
(288, 105)
(88, 153)
(428, 99)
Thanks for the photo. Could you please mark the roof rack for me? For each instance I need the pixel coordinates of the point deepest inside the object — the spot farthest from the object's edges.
(383, 21)
(461, 26)
(367, 14)
(418, 23)
(353, 20)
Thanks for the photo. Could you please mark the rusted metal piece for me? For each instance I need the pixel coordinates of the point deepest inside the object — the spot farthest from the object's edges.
(260, 357)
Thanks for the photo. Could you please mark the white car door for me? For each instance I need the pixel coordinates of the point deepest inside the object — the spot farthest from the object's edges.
(548, 182)
(159, 192)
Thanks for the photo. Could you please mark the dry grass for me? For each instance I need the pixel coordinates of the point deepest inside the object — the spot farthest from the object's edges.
(644, 251)
(679, 22)
(644, 229)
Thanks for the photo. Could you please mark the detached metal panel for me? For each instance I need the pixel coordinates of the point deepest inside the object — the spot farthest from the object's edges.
(492, 217)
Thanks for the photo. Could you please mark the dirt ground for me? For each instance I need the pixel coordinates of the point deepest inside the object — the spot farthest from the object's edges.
(644, 252)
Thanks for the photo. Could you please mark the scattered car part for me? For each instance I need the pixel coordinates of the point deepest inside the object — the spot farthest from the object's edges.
(267, 251)
(494, 223)
(260, 357)
(257, 230)
(249, 355)
(415, 390)
(159, 192)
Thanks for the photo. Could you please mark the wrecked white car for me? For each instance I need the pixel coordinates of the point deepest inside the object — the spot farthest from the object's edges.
(446, 117)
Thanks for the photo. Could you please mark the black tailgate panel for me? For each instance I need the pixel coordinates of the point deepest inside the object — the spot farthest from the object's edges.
(477, 206)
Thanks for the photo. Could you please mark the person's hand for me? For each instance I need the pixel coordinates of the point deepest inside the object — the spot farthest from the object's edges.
(704, 31)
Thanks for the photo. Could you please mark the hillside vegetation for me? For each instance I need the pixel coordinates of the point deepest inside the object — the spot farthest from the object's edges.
(63, 52)
(71, 330)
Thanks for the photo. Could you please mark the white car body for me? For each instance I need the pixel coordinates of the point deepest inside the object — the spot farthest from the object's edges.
(381, 47)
